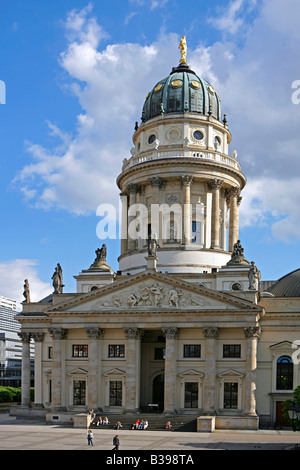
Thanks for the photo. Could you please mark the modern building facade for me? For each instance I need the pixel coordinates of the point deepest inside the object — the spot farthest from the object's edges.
(11, 345)
(183, 326)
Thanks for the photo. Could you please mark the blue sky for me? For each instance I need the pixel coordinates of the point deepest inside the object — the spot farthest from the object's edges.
(76, 76)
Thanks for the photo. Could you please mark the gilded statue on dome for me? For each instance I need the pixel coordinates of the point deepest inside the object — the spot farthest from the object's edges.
(183, 48)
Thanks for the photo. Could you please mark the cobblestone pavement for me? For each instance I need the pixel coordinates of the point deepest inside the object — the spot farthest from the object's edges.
(19, 434)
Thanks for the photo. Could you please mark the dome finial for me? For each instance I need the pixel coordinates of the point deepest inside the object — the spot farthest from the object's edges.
(183, 49)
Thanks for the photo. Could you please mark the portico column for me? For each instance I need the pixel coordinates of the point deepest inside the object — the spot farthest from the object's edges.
(186, 182)
(252, 334)
(210, 334)
(94, 366)
(171, 334)
(38, 358)
(234, 217)
(215, 187)
(133, 190)
(133, 336)
(25, 378)
(58, 335)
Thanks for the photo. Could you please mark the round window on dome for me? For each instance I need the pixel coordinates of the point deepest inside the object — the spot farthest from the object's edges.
(151, 139)
(198, 135)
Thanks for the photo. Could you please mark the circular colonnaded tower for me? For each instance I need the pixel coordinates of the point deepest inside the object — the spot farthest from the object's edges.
(180, 186)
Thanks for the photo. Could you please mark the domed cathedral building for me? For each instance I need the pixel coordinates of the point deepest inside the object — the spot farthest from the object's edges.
(185, 326)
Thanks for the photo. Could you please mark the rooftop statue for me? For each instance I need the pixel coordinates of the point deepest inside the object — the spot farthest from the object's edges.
(26, 292)
(183, 49)
(57, 280)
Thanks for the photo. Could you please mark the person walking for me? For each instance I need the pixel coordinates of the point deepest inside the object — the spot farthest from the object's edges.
(116, 442)
(90, 437)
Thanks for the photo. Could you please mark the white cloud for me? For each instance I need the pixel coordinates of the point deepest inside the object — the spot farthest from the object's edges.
(254, 81)
(12, 286)
(79, 172)
(232, 18)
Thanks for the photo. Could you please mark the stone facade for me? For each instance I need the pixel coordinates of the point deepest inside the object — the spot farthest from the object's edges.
(183, 329)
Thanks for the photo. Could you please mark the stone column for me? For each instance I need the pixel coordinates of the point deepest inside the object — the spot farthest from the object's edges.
(171, 334)
(186, 182)
(156, 227)
(210, 334)
(234, 217)
(133, 189)
(132, 371)
(38, 378)
(252, 334)
(94, 366)
(25, 378)
(58, 335)
(124, 222)
(215, 187)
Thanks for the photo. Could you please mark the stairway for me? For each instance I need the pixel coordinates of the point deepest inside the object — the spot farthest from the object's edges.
(157, 422)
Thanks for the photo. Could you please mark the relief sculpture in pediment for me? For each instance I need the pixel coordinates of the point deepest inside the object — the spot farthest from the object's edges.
(154, 295)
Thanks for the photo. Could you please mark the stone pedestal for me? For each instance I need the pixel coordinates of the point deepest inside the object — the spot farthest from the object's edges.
(206, 423)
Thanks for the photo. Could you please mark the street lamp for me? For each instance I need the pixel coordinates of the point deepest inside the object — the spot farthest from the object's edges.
(294, 414)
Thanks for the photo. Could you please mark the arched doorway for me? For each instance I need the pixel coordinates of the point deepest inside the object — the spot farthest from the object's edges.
(158, 391)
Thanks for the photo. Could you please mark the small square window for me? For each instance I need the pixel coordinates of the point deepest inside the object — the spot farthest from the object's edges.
(192, 350)
(116, 350)
(232, 350)
(80, 350)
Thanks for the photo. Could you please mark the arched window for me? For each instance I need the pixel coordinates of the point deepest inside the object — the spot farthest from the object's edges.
(284, 379)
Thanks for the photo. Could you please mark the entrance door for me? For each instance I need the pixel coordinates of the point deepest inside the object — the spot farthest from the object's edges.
(281, 421)
(158, 391)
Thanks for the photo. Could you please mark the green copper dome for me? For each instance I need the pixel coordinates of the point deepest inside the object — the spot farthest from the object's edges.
(182, 92)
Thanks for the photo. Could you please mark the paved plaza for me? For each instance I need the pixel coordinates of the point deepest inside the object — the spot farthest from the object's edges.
(19, 434)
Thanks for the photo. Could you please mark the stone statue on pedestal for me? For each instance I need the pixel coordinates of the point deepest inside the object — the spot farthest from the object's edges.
(57, 280)
(152, 246)
(254, 276)
(26, 292)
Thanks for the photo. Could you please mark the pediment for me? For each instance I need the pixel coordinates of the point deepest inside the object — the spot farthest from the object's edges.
(77, 372)
(283, 345)
(152, 291)
(191, 373)
(230, 373)
(114, 373)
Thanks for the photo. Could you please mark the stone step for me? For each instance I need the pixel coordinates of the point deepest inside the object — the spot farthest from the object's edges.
(183, 423)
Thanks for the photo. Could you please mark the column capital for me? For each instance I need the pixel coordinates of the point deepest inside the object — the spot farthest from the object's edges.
(215, 184)
(38, 337)
(94, 333)
(252, 332)
(235, 192)
(133, 188)
(58, 333)
(25, 336)
(186, 180)
(132, 332)
(156, 182)
(170, 332)
(211, 332)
